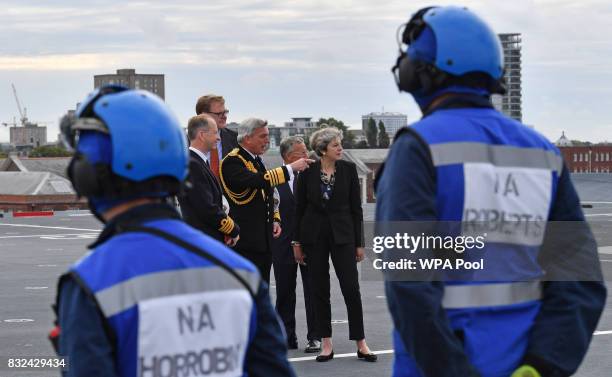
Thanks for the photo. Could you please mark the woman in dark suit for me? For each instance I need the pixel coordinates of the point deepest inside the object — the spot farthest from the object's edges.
(329, 221)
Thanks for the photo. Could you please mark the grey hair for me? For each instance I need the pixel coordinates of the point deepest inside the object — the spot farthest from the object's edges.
(286, 145)
(196, 123)
(248, 126)
(321, 139)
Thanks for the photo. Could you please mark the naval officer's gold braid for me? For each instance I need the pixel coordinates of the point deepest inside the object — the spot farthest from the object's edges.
(274, 176)
(227, 225)
(234, 197)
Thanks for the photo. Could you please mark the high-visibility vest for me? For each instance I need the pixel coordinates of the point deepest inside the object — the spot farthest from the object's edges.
(170, 310)
(490, 169)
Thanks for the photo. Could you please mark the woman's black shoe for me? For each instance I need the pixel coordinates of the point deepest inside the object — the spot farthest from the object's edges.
(370, 357)
(323, 358)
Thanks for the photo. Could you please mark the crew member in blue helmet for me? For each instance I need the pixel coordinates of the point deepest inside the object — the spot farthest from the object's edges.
(532, 309)
(154, 297)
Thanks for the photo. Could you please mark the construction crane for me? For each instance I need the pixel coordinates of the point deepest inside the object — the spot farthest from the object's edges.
(22, 111)
(13, 123)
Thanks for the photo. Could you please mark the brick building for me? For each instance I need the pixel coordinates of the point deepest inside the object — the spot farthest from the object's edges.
(36, 184)
(585, 158)
(154, 83)
(37, 191)
(588, 159)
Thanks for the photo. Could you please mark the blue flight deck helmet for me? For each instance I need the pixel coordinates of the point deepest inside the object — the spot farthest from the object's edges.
(448, 46)
(128, 145)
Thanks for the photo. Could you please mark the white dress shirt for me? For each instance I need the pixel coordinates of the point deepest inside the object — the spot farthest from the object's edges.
(199, 153)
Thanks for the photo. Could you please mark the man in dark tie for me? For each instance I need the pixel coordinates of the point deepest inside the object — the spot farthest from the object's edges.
(249, 187)
(201, 205)
(214, 106)
(285, 266)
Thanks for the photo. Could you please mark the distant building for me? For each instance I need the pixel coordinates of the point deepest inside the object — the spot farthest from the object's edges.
(301, 123)
(28, 137)
(563, 141)
(511, 102)
(273, 146)
(303, 126)
(54, 165)
(154, 83)
(358, 135)
(36, 184)
(585, 158)
(392, 121)
(368, 162)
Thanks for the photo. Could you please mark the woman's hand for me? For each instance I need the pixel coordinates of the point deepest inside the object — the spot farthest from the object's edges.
(298, 254)
(359, 254)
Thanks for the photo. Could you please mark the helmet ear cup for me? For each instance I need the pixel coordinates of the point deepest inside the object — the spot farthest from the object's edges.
(408, 80)
(84, 176)
(416, 75)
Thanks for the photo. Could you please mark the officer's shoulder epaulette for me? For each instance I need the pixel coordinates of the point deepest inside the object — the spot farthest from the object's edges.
(234, 152)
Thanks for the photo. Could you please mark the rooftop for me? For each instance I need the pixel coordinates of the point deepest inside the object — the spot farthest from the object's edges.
(33, 183)
(371, 156)
(55, 165)
(384, 114)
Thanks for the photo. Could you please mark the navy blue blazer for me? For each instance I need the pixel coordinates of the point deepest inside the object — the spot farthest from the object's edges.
(343, 208)
(202, 205)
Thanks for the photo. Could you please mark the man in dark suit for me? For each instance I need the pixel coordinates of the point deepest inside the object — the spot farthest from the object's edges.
(285, 266)
(214, 106)
(249, 188)
(202, 205)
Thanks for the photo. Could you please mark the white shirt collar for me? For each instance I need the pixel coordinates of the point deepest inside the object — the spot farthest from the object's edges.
(249, 152)
(199, 153)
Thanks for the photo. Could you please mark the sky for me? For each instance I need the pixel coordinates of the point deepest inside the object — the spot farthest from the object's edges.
(281, 59)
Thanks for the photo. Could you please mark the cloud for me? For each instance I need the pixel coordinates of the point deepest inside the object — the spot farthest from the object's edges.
(296, 49)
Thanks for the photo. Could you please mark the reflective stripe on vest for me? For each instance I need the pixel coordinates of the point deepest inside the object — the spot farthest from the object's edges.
(498, 155)
(483, 295)
(124, 295)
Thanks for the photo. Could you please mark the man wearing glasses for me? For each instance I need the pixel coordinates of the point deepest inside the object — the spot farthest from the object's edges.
(214, 106)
